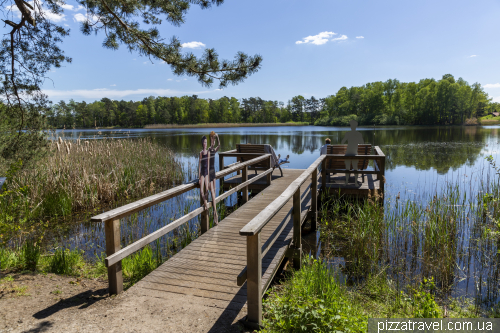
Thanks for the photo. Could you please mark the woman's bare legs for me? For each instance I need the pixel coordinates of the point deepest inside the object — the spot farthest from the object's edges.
(212, 189)
(204, 185)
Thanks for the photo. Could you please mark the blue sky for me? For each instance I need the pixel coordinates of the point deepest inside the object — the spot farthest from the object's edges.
(311, 48)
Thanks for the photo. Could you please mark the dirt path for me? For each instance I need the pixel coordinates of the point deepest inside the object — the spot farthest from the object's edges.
(53, 303)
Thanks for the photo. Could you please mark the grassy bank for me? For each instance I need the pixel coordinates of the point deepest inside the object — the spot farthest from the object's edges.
(489, 120)
(81, 176)
(405, 261)
(314, 299)
(220, 125)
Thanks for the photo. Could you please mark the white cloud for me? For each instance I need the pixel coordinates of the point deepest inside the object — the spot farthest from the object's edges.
(343, 37)
(113, 85)
(472, 56)
(79, 17)
(54, 17)
(66, 25)
(360, 37)
(72, 8)
(82, 18)
(47, 13)
(193, 45)
(496, 99)
(104, 92)
(321, 38)
(145, 62)
(492, 85)
(170, 79)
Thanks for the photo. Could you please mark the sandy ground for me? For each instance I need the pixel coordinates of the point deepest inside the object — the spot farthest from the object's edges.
(53, 303)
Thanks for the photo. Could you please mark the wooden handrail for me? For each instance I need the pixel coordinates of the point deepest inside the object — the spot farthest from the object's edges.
(366, 157)
(128, 250)
(253, 272)
(111, 220)
(260, 221)
(138, 205)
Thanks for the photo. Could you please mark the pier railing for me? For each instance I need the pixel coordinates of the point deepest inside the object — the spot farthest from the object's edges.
(115, 254)
(256, 251)
(377, 156)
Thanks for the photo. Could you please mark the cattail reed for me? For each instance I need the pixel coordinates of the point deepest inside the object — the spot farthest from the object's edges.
(100, 173)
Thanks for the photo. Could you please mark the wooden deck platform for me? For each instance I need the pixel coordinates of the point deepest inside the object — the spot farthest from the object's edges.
(335, 183)
(206, 270)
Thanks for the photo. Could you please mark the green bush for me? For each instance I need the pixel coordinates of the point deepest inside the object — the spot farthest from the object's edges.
(138, 265)
(424, 305)
(65, 261)
(30, 254)
(312, 301)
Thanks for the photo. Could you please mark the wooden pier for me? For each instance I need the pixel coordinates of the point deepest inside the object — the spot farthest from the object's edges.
(230, 266)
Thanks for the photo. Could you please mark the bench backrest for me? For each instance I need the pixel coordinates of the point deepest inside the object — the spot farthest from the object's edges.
(364, 149)
(252, 149)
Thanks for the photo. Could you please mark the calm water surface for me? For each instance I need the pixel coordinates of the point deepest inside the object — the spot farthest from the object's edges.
(420, 161)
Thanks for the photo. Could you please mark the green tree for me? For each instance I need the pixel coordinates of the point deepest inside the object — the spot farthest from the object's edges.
(31, 49)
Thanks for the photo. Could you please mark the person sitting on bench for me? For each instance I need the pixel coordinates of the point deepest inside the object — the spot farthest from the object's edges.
(283, 160)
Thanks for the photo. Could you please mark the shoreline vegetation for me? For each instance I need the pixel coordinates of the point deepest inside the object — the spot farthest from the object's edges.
(81, 176)
(447, 101)
(223, 125)
(332, 297)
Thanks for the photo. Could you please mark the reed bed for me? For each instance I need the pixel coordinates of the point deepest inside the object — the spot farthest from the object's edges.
(82, 176)
(452, 237)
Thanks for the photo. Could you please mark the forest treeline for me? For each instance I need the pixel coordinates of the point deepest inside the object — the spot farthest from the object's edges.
(429, 102)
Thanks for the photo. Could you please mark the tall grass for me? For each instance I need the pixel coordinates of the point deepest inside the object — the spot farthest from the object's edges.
(451, 236)
(81, 176)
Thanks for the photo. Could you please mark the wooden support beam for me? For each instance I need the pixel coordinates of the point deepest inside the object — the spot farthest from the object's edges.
(254, 282)
(115, 278)
(297, 230)
(323, 175)
(244, 178)
(314, 200)
(270, 176)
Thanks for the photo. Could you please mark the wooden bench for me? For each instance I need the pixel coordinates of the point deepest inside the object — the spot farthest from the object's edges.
(336, 163)
(254, 149)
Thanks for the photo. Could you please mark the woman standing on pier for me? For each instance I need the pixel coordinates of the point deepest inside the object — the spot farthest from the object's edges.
(203, 167)
(212, 152)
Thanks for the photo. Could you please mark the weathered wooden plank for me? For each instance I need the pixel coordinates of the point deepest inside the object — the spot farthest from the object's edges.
(115, 277)
(200, 285)
(258, 222)
(191, 291)
(144, 203)
(168, 275)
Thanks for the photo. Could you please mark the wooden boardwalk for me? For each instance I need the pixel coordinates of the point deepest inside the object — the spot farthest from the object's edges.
(230, 266)
(208, 267)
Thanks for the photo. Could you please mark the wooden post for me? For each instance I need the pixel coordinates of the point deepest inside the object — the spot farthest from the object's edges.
(221, 167)
(238, 159)
(314, 200)
(204, 220)
(254, 283)
(297, 230)
(269, 175)
(323, 175)
(115, 278)
(382, 178)
(244, 178)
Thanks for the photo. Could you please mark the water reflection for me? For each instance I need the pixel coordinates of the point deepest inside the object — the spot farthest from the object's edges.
(420, 161)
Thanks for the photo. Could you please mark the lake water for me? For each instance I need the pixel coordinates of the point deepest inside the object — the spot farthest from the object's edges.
(419, 162)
